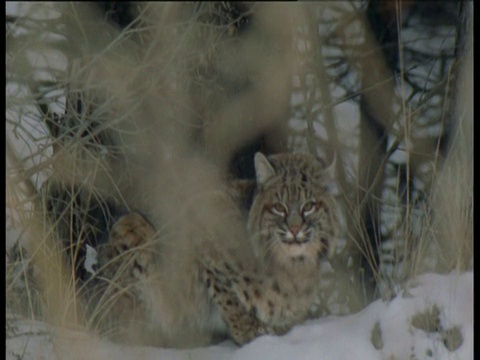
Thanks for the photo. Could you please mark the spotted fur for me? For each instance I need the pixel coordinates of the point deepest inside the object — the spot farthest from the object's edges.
(292, 225)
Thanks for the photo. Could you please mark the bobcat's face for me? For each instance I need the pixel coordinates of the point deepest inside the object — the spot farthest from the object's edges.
(293, 216)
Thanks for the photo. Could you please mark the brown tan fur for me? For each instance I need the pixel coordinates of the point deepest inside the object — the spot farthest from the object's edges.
(292, 225)
(199, 293)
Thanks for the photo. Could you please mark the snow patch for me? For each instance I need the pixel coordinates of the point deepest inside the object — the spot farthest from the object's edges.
(347, 337)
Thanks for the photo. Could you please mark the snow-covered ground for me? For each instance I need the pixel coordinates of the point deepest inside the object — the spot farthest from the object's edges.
(433, 319)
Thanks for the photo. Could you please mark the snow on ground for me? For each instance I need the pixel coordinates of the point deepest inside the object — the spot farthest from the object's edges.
(436, 312)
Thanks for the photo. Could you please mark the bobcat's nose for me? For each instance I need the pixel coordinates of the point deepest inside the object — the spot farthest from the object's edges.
(294, 229)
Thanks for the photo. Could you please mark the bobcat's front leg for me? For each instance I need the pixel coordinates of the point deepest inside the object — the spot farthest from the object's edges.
(259, 296)
(126, 263)
(242, 323)
(126, 260)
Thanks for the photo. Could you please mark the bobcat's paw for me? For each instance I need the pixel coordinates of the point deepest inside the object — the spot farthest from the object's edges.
(130, 247)
(247, 329)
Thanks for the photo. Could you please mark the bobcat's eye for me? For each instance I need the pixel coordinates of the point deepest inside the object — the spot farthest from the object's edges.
(279, 209)
(308, 208)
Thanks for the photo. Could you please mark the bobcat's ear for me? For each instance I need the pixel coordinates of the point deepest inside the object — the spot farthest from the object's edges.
(327, 171)
(263, 169)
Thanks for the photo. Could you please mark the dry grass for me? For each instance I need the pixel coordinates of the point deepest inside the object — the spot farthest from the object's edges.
(165, 105)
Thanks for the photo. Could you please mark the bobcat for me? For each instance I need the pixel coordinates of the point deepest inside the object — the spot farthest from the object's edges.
(291, 226)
